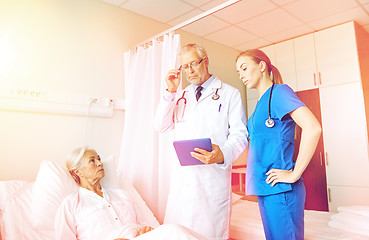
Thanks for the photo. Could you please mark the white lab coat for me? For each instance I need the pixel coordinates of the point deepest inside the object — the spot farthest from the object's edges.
(200, 196)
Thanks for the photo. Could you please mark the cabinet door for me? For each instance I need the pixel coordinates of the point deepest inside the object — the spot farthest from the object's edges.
(336, 54)
(285, 62)
(270, 52)
(306, 73)
(347, 196)
(345, 135)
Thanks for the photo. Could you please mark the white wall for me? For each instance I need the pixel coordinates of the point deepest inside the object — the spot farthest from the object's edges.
(72, 46)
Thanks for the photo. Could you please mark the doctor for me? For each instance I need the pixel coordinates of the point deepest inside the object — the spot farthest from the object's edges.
(200, 196)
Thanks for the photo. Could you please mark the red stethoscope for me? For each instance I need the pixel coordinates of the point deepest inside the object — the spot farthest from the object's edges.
(178, 107)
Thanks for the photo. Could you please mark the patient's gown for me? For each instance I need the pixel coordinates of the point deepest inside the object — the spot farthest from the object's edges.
(86, 215)
(89, 216)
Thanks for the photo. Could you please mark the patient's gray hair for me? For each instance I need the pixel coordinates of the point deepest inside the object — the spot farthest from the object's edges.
(200, 49)
(74, 161)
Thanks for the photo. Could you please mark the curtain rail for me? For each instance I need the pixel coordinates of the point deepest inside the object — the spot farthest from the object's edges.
(191, 20)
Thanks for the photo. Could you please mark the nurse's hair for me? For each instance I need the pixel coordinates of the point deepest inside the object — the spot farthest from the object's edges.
(258, 56)
(74, 161)
(199, 49)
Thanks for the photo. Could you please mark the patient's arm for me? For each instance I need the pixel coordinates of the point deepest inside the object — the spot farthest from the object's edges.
(144, 229)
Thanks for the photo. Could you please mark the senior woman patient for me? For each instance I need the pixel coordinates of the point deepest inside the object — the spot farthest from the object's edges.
(94, 212)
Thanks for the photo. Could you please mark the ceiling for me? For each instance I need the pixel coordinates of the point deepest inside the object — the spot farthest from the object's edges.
(252, 23)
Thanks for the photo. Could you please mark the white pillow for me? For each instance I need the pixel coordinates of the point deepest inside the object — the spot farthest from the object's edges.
(110, 180)
(8, 190)
(52, 185)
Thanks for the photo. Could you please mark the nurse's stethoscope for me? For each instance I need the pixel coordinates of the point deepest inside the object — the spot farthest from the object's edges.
(184, 100)
(270, 122)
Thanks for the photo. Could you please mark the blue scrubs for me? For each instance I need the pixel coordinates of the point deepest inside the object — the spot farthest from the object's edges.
(281, 206)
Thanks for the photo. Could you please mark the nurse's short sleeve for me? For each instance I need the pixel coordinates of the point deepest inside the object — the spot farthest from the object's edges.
(284, 100)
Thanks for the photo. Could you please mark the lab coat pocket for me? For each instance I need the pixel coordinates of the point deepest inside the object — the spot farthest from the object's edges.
(215, 116)
(215, 108)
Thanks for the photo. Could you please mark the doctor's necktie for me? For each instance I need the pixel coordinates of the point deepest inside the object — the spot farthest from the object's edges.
(198, 92)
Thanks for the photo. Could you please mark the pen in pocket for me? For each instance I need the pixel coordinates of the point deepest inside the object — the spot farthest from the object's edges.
(220, 105)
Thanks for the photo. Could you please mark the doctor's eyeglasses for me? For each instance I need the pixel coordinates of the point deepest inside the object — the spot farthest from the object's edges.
(193, 65)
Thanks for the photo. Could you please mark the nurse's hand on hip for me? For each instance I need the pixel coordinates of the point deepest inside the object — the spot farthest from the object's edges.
(173, 79)
(278, 175)
(215, 156)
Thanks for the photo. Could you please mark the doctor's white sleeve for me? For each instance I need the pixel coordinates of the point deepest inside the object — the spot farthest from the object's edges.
(237, 132)
(163, 120)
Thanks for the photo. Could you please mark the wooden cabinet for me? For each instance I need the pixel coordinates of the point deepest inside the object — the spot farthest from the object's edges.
(270, 52)
(305, 62)
(346, 141)
(327, 58)
(344, 121)
(285, 62)
(336, 55)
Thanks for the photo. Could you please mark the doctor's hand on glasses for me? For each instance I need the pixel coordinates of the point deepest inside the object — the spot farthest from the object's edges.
(192, 65)
(173, 79)
(215, 156)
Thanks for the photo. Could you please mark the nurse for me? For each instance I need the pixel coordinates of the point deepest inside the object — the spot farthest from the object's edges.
(271, 173)
(200, 196)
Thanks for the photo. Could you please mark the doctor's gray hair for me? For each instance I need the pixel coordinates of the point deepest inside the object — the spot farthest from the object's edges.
(74, 161)
(199, 49)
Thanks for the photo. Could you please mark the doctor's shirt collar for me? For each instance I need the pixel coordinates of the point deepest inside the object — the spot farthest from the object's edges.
(205, 85)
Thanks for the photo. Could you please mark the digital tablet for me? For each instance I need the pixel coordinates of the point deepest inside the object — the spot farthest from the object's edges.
(185, 147)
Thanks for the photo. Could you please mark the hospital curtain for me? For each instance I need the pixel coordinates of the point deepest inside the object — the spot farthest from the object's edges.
(145, 154)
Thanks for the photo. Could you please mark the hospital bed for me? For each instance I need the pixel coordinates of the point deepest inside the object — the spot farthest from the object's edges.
(28, 208)
(349, 223)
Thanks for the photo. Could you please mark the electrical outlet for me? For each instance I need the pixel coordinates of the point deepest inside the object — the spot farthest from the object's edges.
(109, 102)
(93, 100)
(27, 93)
(102, 101)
